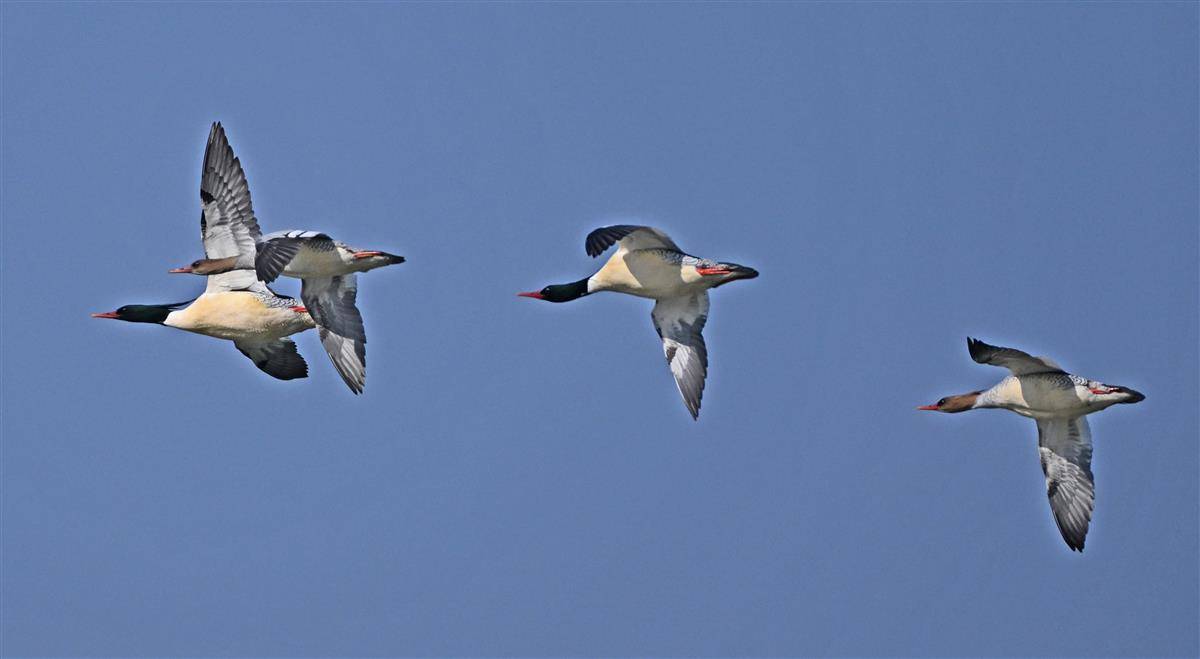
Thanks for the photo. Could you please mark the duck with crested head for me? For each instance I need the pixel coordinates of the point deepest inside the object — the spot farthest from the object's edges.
(236, 305)
(326, 267)
(1059, 402)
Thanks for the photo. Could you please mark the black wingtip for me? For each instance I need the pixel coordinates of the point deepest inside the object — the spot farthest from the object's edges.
(976, 348)
(604, 237)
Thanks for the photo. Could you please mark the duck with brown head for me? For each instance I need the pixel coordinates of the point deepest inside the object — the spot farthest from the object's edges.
(236, 305)
(1060, 402)
(953, 404)
(326, 267)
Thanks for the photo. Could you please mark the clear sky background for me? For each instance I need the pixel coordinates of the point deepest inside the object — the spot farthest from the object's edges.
(521, 478)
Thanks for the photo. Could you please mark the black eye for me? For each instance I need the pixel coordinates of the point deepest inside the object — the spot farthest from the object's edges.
(941, 402)
(546, 291)
(196, 264)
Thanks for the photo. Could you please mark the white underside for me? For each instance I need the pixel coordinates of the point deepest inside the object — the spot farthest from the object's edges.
(238, 316)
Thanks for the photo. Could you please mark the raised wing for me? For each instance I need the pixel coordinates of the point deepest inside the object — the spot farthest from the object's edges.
(278, 358)
(630, 236)
(680, 321)
(1065, 446)
(331, 302)
(276, 250)
(1020, 363)
(227, 224)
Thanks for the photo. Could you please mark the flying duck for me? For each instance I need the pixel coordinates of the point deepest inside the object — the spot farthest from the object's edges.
(647, 263)
(329, 287)
(235, 305)
(1059, 402)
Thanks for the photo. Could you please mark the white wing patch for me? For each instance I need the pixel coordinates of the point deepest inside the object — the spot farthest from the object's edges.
(680, 321)
(227, 223)
(234, 280)
(1065, 447)
(331, 302)
(349, 357)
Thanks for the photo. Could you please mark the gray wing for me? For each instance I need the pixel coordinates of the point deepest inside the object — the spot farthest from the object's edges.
(278, 358)
(1020, 363)
(631, 236)
(1065, 446)
(227, 224)
(276, 250)
(331, 303)
(349, 357)
(680, 321)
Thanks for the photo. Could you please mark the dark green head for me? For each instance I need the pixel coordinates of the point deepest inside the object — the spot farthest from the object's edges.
(141, 313)
(560, 292)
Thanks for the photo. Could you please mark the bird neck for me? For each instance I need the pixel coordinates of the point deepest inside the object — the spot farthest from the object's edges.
(567, 292)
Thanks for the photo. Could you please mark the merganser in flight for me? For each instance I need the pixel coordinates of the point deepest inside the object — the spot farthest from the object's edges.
(325, 267)
(1059, 401)
(235, 305)
(649, 264)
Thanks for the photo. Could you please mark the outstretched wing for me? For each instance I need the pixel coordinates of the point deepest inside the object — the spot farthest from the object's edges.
(1065, 446)
(276, 250)
(630, 236)
(349, 357)
(680, 321)
(278, 358)
(331, 302)
(227, 224)
(1020, 363)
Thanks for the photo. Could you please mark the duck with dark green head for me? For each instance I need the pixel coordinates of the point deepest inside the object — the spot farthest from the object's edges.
(235, 305)
(143, 313)
(326, 267)
(647, 263)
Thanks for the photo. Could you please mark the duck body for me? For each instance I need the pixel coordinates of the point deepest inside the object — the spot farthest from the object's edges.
(241, 316)
(654, 273)
(235, 305)
(246, 261)
(1059, 402)
(312, 254)
(1050, 396)
(648, 264)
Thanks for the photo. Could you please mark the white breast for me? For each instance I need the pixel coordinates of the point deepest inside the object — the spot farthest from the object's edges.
(646, 274)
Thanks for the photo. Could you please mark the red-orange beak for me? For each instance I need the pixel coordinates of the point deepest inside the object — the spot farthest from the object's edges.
(533, 294)
(106, 314)
(299, 309)
(713, 271)
(931, 408)
(366, 255)
(179, 271)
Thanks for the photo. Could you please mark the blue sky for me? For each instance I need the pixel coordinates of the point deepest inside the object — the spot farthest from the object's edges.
(521, 478)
